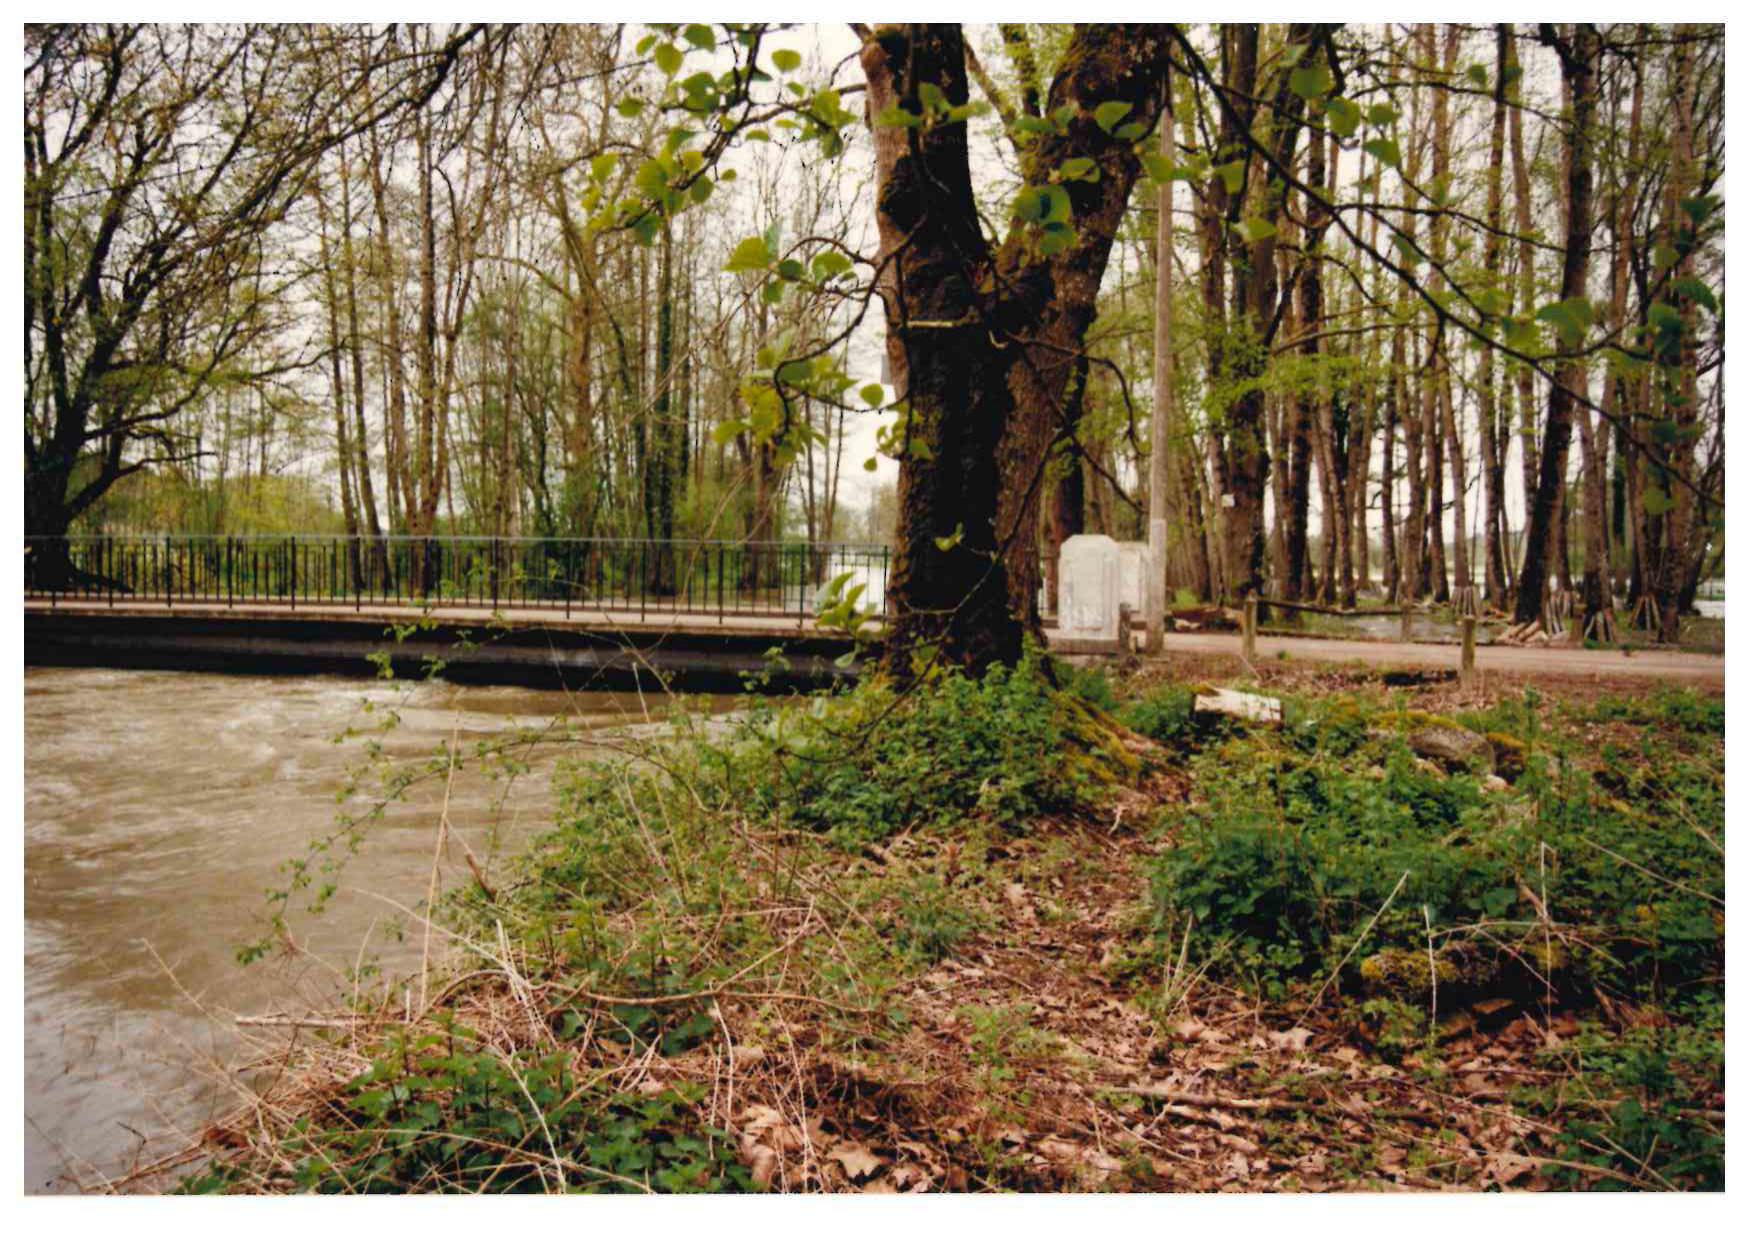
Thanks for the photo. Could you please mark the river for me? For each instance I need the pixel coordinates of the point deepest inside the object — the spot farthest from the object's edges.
(158, 810)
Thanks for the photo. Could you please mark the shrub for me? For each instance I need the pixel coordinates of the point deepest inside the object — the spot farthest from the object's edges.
(1164, 715)
(431, 1116)
(1607, 865)
(1006, 748)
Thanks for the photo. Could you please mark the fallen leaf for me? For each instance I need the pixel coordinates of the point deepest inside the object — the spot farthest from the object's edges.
(858, 1161)
(1295, 1039)
(1506, 1168)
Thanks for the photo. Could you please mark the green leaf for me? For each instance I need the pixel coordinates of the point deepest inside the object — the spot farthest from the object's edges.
(1311, 81)
(1520, 334)
(1381, 114)
(1079, 168)
(1109, 113)
(1696, 291)
(1343, 114)
(668, 59)
(1657, 501)
(750, 255)
(601, 166)
(951, 540)
(894, 117)
(1159, 168)
(700, 37)
(1570, 319)
(1232, 173)
(1700, 209)
(829, 264)
(1254, 229)
(786, 60)
(791, 269)
(873, 395)
(1478, 75)
(932, 97)
(1041, 204)
(701, 190)
(652, 179)
(629, 107)
(1385, 151)
(1497, 901)
(871, 464)
(1056, 237)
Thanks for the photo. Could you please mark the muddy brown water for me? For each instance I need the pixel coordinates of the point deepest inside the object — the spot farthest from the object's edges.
(158, 810)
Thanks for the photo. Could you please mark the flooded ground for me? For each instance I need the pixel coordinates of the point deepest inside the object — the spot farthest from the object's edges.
(159, 808)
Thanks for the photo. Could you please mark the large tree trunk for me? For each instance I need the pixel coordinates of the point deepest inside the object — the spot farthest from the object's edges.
(1251, 318)
(1578, 57)
(1681, 394)
(983, 346)
(949, 588)
(1045, 304)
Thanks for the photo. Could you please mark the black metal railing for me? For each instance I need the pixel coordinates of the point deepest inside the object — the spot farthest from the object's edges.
(593, 574)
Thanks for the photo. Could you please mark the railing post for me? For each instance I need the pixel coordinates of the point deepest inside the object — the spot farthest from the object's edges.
(1466, 670)
(494, 572)
(1407, 621)
(1249, 639)
(291, 554)
(169, 581)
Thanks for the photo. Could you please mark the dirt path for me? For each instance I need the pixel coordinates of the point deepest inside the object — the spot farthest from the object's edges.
(1565, 662)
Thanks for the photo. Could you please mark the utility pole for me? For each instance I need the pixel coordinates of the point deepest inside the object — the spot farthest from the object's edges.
(1158, 458)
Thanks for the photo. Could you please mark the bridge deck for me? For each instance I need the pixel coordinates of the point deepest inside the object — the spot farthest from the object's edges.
(737, 639)
(647, 621)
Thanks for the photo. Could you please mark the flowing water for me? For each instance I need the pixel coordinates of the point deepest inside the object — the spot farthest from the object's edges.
(158, 810)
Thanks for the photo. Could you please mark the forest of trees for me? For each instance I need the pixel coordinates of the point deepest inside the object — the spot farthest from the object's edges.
(1414, 312)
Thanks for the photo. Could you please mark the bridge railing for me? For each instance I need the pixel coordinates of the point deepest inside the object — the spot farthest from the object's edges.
(641, 576)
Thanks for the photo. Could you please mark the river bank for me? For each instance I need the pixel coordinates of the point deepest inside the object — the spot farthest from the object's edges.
(993, 936)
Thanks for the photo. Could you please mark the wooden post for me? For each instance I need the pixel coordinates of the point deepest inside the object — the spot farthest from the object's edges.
(1466, 672)
(1407, 622)
(1249, 647)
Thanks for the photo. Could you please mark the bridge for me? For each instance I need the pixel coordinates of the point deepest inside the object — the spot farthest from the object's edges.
(585, 612)
(578, 612)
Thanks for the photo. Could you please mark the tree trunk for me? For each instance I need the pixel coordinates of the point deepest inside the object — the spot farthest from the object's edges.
(949, 588)
(1578, 68)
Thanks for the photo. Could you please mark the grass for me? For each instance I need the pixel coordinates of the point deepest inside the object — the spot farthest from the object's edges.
(997, 935)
